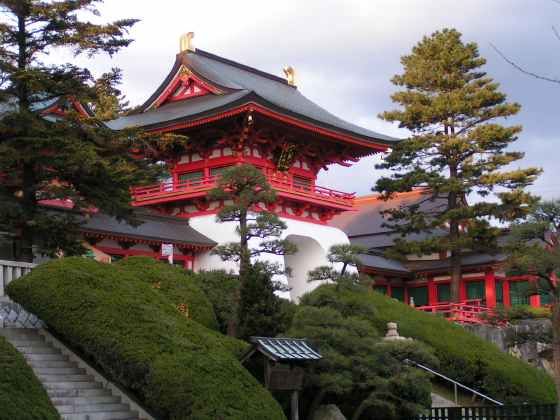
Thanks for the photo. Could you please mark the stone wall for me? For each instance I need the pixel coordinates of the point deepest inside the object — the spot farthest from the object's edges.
(527, 340)
(13, 315)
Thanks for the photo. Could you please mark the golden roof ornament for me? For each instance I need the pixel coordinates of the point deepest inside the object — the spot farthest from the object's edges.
(186, 42)
(290, 75)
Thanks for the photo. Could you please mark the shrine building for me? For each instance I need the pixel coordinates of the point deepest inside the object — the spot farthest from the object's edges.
(234, 114)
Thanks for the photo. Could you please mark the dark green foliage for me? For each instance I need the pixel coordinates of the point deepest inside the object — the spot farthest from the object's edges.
(72, 157)
(22, 396)
(463, 356)
(360, 373)
(517, 313)
(345, 254)
(137, 336)
(221, 288)
(259, 311)
(457, 147)
(176, 284)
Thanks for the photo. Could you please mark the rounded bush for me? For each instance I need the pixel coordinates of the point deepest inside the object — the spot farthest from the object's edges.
(141, 340)
(22, 396)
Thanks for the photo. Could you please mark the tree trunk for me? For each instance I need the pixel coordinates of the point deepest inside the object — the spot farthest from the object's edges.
(455, 277)
(556, 350)
(244, 264)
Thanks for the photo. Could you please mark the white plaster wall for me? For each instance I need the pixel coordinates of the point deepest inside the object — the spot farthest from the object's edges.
(313, 241)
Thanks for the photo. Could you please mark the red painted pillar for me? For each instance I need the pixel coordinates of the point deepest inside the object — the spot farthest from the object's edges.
(389, 290)
(406, 301)
(534, 300)
(505, 289)
(463, 289)
(432, 292)
(490, 288)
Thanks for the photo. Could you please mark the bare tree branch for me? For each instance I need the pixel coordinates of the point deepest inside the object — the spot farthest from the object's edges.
(521, 69)
(556, 33)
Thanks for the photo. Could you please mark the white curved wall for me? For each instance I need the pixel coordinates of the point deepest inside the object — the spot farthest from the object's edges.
(313, 242)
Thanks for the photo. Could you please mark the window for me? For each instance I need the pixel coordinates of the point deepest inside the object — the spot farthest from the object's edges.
(302, 183)
(518, 292)
(546, 298)
(444, 292)
(475, 290)
(419, 294)
(397, 293)
(218, 171)
(380, 289)
(191, 177)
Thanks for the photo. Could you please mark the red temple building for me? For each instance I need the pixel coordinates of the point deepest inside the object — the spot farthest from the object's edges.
(234, 114)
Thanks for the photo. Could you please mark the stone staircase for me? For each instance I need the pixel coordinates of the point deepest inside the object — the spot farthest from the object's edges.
(75, 394)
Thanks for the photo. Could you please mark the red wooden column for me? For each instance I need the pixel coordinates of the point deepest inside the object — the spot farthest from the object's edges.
(463, 289)
(535, 300)
(490, 288)
(389, 290)
(505, 289)
(432, 292)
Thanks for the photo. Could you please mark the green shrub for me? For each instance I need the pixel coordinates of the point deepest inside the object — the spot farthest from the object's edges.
(21, 395)
(220, 288)
(463, 356)
(178, 285)
(178, 368)
(517, 313)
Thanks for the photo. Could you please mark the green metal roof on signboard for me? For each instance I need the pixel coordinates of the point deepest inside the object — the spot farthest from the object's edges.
(285, 349)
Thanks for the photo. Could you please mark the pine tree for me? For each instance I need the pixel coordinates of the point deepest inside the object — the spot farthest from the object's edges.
(243, 189)
(74, 157)
(456, 149)
(345, 254)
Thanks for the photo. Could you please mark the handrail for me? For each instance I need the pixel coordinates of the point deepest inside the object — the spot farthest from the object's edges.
(284, 183)
(454, 382)
(11, 270)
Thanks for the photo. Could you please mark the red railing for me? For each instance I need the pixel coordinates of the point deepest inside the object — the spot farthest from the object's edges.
(468, 311)
(286, 184)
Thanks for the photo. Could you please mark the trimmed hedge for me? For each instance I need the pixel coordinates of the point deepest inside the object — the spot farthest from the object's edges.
(140, 339)
(22, 396)
(462, 355)
(178, 285)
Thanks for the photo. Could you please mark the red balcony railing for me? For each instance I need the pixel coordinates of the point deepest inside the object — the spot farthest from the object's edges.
(468, 311)
(284, 186)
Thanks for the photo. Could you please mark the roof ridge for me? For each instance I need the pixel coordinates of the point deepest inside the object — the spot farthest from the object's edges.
(242, 67)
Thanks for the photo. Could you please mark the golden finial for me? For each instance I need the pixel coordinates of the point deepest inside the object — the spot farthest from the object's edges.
(186, 43)
(290, 75)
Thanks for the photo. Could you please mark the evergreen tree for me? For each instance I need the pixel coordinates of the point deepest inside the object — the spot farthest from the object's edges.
(243, 188)
(534, 248)
(259, 308)
(457, 148)
(345, 254)
(74, 157)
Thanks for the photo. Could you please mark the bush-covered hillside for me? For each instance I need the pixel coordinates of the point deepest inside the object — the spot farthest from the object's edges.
(144, 341)
(462, 355)
(21, 395)
(178, 285)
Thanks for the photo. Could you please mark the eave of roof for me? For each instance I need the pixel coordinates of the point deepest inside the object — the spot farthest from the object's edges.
(240, 83)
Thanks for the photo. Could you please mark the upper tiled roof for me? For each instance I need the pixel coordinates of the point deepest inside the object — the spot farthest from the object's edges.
(240, 84)
(367, 222)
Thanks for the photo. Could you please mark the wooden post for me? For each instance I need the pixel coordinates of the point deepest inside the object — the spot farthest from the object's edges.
(295, 405)
(432, 292)
(490, 288)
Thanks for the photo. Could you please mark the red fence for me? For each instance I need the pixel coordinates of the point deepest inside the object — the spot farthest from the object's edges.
(468, 311)
(285, 184)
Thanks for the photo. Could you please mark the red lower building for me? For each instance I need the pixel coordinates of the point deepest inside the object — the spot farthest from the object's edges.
(425, 281)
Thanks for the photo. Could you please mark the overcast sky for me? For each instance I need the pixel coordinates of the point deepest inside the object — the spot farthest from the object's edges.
(345, 52)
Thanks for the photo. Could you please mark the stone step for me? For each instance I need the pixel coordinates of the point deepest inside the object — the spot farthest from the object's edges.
(45, 357)
(91, 408)
(115, 415)
(42, 349)
(108, 399)
(66, 378)
(71, 393)
(38, 364)
(27, 342)
(20, 333)
(66, 370)
(71, 385)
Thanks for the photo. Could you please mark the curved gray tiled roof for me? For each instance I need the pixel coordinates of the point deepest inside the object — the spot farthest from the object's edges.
(285, 349)
(242, 85)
